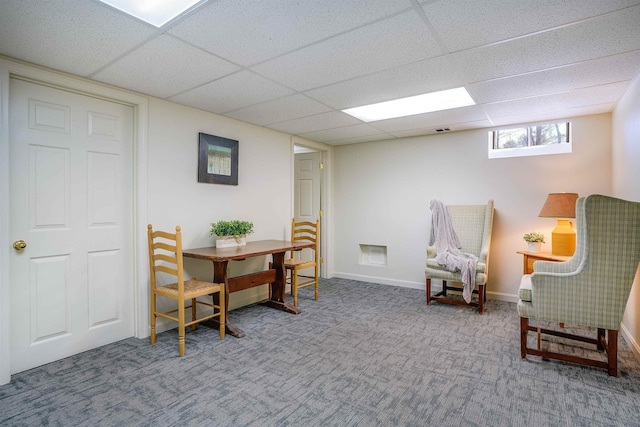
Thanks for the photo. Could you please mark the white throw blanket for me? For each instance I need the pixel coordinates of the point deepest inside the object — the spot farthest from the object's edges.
(448, 252)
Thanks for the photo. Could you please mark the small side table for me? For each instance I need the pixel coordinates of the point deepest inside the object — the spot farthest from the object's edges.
(530, 257)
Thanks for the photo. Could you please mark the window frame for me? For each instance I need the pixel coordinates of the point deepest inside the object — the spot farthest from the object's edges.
(530, 150)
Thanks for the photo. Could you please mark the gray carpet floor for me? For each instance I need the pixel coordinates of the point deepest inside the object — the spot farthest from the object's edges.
(362, 355)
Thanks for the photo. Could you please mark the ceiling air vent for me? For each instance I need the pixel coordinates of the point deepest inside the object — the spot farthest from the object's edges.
(443, 130)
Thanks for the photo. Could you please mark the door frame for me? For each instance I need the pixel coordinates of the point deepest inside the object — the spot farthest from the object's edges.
(81, 86)
(326, 231)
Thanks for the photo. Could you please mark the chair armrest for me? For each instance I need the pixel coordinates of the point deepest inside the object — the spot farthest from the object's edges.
(575, 298)
(431, 252)
(552, 267)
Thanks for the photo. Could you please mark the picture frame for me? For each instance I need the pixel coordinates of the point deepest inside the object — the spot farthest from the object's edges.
(217, 160)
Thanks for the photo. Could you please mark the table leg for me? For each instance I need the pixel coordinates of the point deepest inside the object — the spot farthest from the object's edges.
(278, 287)
(220, 276)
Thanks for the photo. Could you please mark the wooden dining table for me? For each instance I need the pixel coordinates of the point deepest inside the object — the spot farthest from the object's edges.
(274, 276)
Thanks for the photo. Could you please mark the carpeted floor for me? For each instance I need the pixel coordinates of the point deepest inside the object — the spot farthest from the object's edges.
(362, 355)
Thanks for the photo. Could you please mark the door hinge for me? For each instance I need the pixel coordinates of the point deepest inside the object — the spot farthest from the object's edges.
(321, 165)
(321, 213)
(321, 260)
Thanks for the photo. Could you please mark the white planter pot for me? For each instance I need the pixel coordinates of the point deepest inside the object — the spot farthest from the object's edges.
(535, 246)
(231, 241)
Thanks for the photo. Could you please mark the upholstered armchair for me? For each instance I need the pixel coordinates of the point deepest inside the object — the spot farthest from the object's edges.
(592, 288)
(473, 225)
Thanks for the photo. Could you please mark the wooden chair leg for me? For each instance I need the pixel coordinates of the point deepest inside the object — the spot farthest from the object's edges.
(294, 286)
(222, 312)
(428, 291)
(600, 339)
(524, 329)
(193, 314)
(316, 285)
(612, 352)
(481, 294)
(181, 328)
(444, 288)
(152, 319)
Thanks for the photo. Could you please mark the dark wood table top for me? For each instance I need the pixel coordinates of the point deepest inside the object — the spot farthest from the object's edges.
(251, 249)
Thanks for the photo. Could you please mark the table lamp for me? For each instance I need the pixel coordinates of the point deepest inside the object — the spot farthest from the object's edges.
(563, 207)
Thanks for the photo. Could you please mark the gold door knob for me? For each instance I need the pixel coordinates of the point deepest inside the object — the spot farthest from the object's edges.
(19, 245)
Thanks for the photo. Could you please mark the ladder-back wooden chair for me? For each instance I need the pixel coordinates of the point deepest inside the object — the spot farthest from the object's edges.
(165, 256)
(303, 231)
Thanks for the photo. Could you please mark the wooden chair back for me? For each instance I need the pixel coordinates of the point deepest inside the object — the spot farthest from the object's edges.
(305, 231)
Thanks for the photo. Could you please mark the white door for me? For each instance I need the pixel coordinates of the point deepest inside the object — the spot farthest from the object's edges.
(307, 184)
(72, 203)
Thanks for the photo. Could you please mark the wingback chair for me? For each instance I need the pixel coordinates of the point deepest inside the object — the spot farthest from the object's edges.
(472, 224)
(592, 288)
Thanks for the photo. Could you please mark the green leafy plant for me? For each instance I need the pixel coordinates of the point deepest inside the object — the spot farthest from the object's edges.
(231, 228)
(533, 237)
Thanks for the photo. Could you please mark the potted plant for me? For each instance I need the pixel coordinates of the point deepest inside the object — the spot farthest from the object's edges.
(231, 233)
(535, 241)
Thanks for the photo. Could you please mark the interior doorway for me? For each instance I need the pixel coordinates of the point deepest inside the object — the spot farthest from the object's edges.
(308, 193)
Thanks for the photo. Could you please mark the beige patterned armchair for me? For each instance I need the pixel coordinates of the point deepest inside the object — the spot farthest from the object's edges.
(592, 288)
(473, 225)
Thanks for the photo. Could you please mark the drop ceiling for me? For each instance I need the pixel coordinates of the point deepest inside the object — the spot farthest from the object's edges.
(293, 65)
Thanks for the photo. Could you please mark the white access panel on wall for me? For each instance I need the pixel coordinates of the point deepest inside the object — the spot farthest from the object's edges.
(72, 204)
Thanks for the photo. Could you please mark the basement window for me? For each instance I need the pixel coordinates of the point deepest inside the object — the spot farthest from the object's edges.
(533, 140)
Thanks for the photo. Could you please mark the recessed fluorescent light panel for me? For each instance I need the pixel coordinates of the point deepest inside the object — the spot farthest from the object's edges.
(419, 104)
(155, 12)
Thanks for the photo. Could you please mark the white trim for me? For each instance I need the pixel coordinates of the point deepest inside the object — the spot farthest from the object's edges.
(502, 297)
(380, 280)
(140, 105)
(538, 150)
(628, 337)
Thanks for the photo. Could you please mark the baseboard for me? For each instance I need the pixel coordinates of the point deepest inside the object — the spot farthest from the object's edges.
(502, 296)
(380, 280)
(417, 285)
(632, 342)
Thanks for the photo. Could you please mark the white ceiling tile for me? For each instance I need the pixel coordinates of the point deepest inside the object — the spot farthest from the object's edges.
(251, 31)
(78, 37)
(278, 110)
(435, 119)
(342, 133)
(615, 33)
(332, 119)
(604, 94)
(553, 115)
(612, 69)
(463, 24)
(163, 67)
(421, 77)
(386, 44)
(232, 92)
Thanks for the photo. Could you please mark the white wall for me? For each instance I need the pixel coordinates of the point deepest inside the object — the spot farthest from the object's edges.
(626, 185)
(263, 194)
(383, 190)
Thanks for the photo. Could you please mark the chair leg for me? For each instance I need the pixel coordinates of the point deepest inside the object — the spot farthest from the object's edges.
(294, 286)
(316, 285)
(612, 352)
(152, 319)
(193, 314)
(600, 339)
(181, 328)
(428, 291)
(524, 329)
(481, 295)
(222, 312)
(444, 288)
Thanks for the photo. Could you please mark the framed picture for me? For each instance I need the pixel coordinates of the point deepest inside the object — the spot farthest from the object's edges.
(217, 159)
